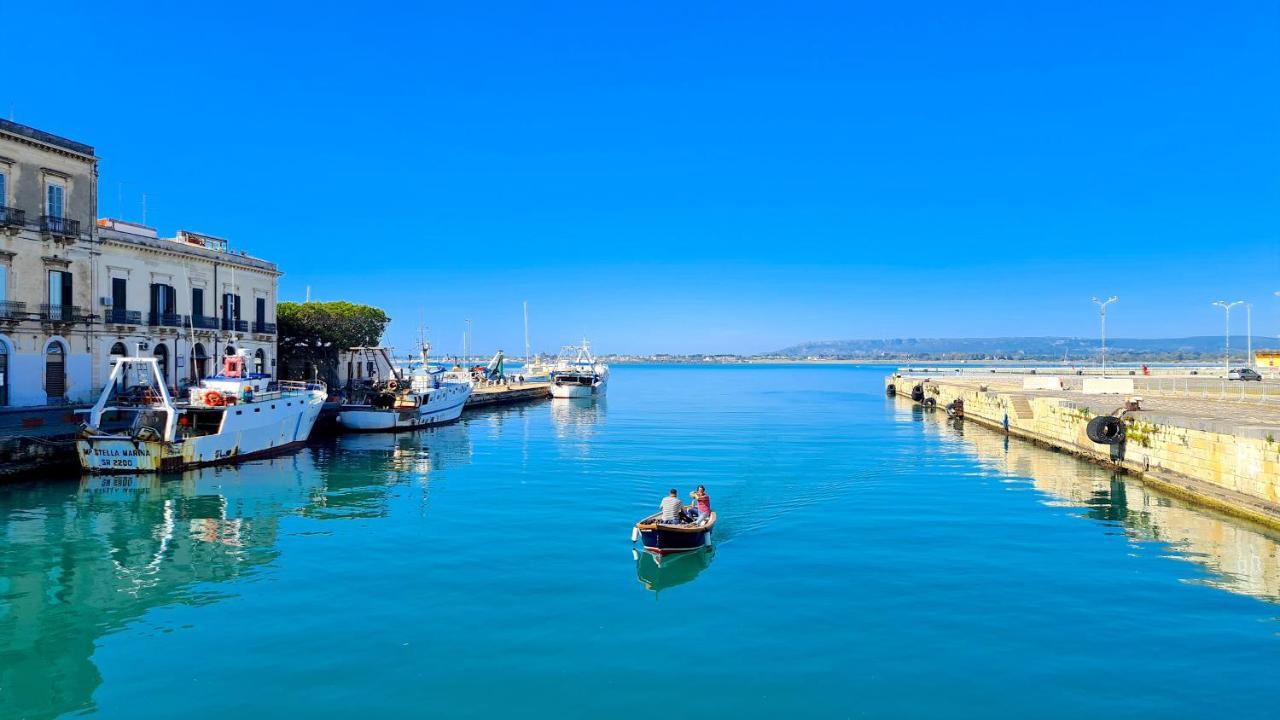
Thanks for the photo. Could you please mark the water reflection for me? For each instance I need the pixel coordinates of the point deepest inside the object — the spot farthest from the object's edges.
(578, 418)
(82, 558)
(1242, 557)
(658, 573)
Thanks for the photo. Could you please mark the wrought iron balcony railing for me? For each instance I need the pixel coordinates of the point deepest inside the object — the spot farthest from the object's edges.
(12, 217)
(12, 310)
(264, 327)
(203, 322)
(166, 319)
(236, 325)
(120, 316)
(62, 313)
(62, 227)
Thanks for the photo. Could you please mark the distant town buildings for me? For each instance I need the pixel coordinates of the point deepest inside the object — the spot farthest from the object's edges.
(76, 293)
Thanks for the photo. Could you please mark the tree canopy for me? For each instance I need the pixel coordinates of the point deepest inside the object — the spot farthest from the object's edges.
(315, 332)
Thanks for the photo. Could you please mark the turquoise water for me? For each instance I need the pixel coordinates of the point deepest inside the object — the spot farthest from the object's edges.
(871, 560)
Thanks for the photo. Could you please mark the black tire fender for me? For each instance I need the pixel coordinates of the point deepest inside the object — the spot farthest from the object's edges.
(917, 393)
(1106, 430)
(930, 403)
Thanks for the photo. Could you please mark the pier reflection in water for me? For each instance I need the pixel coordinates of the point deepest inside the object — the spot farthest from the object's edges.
(84, 558)
(1238, 556)
(658, 573)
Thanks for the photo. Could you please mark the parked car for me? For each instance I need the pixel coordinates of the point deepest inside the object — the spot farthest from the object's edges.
(1244, 374)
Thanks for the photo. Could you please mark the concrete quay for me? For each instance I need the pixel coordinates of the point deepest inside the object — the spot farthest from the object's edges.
(1203, 439)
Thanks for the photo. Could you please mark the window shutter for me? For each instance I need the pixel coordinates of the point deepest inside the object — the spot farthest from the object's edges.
(155, 298)
(237, 307)
(170, 300)
(3, 195)
(67, 297)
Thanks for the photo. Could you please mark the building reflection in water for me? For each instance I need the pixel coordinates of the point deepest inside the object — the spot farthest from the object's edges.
(1242, 557)
(658, 573)
(83, 558)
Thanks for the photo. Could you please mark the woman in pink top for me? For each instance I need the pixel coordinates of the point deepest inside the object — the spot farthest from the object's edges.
(703, 501)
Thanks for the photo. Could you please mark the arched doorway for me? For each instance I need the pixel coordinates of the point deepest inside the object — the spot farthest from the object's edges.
(199, 361)
(259, 361)
(55, 373)
(162, 359)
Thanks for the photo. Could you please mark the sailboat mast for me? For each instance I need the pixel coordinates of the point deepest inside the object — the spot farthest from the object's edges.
(526, 330)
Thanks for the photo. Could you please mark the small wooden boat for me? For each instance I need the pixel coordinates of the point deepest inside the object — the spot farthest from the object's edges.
(663, 538)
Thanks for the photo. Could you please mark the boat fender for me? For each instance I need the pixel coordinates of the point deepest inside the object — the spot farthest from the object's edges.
(1106, 430)
(635, 534)
(930, 403)
(393, 385)
(917, 393)
(213, 398)
(890, 390)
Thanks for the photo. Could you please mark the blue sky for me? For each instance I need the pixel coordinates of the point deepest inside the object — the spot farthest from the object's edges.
(695, 177)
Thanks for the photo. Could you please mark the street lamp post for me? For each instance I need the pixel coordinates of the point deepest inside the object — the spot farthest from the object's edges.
(1102, 314)
(1226, 358)
(1248, 334)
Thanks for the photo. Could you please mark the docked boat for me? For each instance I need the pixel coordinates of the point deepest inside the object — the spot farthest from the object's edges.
(661, 538)
(578, 374)
(226, 418)
(429, 396)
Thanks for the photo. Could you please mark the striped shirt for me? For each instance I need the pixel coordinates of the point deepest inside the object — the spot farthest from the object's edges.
(671, 507)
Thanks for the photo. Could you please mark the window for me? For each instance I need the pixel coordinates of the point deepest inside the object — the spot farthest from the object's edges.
(164, 299)
(4, 285)
(4, 187)
(260, 311)
(199, 360)
(119, 294)
(53, 200)
(59, 291)
(197, 302)
(259, 361)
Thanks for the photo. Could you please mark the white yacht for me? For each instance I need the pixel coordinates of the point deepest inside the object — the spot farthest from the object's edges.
(578, 374)
(422, 396)
(233, 416)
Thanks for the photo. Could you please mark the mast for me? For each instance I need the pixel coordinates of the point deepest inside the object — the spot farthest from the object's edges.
(526, 331)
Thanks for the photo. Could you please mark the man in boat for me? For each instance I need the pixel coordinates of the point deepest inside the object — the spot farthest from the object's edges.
(672, 509)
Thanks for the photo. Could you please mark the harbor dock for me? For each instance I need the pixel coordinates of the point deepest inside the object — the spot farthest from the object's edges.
(485, 395)
(1209, 440)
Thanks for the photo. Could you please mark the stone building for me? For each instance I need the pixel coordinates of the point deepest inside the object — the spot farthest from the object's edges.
(48, 200)
(188, 301)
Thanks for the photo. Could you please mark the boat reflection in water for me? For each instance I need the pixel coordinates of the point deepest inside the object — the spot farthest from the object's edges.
(578, 418)
(1238, 556)
(658, 573)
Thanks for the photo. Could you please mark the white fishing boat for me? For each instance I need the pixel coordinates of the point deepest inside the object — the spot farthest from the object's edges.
(578, 374)
(422, 396)
(233, 416)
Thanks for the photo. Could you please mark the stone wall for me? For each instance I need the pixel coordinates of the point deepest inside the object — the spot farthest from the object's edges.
(1231, 466)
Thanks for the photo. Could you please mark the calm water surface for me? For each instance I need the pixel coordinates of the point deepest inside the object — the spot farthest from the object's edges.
(871, 561)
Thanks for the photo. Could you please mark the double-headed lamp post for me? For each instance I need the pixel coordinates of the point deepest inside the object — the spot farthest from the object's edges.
(1226, 358)
(1102, 314)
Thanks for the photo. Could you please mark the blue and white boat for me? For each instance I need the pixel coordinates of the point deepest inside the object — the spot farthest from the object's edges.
(578, 374)
(423, 395)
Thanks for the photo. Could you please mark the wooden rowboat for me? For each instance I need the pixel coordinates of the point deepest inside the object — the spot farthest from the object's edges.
(663, 538)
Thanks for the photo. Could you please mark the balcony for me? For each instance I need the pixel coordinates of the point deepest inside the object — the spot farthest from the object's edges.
(166, 320)
(264, 327)
(12, 310)
(235, 325)
(59, 227)
(12, 217)
(62, 313)
(120, 316)
(202, 322)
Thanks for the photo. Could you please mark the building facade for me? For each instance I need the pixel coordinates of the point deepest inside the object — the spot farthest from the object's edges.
(188, 301)
(77, 293)
(48, 200)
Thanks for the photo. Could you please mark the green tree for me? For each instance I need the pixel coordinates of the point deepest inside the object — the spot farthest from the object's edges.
(312, 334)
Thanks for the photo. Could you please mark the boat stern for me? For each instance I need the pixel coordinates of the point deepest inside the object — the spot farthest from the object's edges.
(110, 454)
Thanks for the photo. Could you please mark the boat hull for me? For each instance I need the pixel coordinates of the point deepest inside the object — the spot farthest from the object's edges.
(373, 420)
(578, 391)
(662, 539)
(243, 437)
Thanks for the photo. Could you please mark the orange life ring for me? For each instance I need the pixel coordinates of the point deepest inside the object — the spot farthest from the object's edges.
(213, 398)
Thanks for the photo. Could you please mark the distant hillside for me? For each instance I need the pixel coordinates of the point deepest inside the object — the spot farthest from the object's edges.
(1047, 348)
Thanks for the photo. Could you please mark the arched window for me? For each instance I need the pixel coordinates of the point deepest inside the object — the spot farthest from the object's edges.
(199, 361)
(117, 351)
(162, 359)
(55, 373)
(259, 361)
(4, 373)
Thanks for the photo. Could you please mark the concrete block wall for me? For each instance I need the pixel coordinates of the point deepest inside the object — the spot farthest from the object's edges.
(1240, 460)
